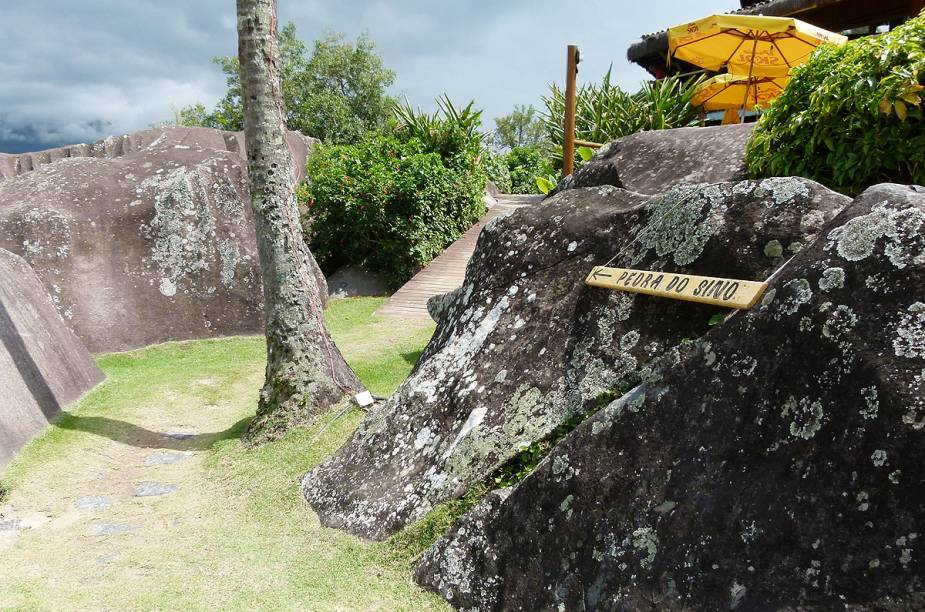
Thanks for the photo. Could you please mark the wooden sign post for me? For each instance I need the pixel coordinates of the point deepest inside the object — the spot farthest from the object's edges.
(730, 293)
(568, 144)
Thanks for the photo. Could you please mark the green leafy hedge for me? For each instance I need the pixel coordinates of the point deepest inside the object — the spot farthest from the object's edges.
(851, 116)
(388, 203)
(497, 170)
(524, 165)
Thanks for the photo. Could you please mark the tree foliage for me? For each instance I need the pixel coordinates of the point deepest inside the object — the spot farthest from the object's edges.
(521, 128)
(851, 116)
(335, 93)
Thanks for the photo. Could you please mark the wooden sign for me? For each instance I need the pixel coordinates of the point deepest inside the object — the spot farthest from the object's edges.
(726, 292)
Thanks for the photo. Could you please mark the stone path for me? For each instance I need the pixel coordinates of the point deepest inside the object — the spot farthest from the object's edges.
(123, 491)
(448, 270)
(109, 492)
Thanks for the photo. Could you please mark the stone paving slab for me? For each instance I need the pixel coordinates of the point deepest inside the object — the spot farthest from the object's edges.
(102, 529)
(154, 489)
(166, 457)
(97, 502)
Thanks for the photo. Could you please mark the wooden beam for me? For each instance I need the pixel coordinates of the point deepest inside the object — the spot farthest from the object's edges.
(588, 143)
(568, 146)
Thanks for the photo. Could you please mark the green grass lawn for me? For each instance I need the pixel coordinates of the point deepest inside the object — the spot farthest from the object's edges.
(236, 534)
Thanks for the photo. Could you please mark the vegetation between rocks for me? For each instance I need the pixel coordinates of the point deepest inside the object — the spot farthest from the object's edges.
(605, 112)
(524, 165)
(851, 116)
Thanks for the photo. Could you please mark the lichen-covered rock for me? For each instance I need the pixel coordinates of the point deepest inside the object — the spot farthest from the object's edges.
(141, 239)
(438, 305)
(775, 465)
(653, 162)
(43, 365)
(527, 346)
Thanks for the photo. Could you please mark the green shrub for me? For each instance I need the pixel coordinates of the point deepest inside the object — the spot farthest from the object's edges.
(388, 203)
(450, 131)
(524, 165)
(496, 168)
(605, 112)
(851, 116)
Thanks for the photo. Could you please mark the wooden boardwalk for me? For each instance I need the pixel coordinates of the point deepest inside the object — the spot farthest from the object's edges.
(448, 270)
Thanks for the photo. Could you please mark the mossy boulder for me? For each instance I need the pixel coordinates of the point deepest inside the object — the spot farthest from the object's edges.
(525, 347)
(653, 162)
(144, 238)
(772, 464)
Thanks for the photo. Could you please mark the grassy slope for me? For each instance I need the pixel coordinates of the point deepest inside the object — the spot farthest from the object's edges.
(237, 535)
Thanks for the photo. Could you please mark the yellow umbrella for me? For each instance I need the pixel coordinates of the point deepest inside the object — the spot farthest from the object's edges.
(748, 45)
(731, 91)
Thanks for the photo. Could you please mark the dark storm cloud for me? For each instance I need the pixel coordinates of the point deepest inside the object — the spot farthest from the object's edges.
(79, 71)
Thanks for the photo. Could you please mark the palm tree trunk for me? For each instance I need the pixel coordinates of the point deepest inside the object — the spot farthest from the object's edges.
(306, 374)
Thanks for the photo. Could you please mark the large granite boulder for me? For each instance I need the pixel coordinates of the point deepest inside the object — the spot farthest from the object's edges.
(773, 464)
(144, 238)
(43, 365)
(525, 346)
(14, 164)
(653, 162)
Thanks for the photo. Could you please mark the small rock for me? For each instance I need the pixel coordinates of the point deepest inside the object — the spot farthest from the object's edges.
(92, 503)
(107, 559)
(166, 458)
(11, 525)
(353, 281)
(101, 529)
(180, 435)
(154, 489)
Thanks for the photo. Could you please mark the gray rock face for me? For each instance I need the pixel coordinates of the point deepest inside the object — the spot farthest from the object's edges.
(527, 346)
(141, 239)
(653, 162)
(775, 463)
(439, 305)
(43, 365)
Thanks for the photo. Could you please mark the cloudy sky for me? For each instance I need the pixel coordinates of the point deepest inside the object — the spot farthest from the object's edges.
(79, 71)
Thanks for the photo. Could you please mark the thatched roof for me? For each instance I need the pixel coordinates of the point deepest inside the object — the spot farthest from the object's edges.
(835, 15)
